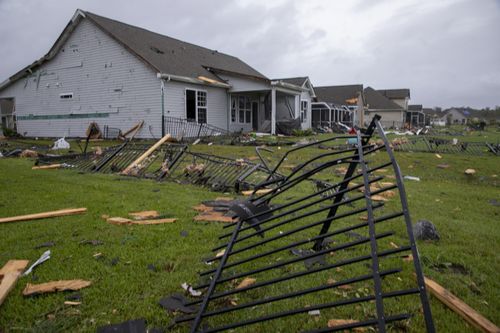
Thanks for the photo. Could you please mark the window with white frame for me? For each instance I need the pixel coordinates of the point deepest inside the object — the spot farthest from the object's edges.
(233, 109)
(196, 106)
(303, 111)
(241, 109)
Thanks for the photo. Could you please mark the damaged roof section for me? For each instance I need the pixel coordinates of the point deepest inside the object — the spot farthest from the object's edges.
(162, 53)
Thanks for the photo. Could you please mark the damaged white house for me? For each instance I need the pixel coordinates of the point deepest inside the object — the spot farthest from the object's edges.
(104, 71)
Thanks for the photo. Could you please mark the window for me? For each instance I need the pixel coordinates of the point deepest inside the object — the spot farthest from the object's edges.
(196, 106)
(233, 109)
(303, 111)
(202, 106)
(66, 96)
(242, 107)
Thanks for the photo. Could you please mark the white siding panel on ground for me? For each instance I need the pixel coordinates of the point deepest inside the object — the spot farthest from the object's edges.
(105, 80)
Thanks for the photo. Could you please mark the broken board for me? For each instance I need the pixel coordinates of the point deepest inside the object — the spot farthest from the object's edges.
(465, 311)
(9, 274)
(53, 286)
(56, 213)
(122, 221)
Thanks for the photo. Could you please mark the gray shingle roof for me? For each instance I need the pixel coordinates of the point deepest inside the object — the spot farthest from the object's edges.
(395, 93)
(169, 55)
(415, 107)
(164, 54)
(376, 101)
(338, 94)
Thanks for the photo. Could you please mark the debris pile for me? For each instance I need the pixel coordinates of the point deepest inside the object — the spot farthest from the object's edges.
(329, 269)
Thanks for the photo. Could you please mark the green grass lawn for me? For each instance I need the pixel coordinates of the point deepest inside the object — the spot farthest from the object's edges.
(124, 288)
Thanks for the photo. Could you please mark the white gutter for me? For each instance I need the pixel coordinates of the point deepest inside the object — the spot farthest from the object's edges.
(186, 79)
(287, 86)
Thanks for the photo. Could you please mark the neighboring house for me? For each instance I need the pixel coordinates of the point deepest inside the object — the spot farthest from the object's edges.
(455, 116)
(338, 104)
(104, 71)
(434, 117)
(398, 96)
(393, 115)
(415, 116)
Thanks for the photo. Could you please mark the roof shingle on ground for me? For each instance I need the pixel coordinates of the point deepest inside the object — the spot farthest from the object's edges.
(338, 94)
(169, 55)
(376, 101)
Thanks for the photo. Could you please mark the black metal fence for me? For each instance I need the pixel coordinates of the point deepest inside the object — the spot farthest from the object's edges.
(187, 131)
(326, 254)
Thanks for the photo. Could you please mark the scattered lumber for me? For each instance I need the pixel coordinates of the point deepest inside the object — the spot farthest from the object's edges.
(56, 213)
(213, 217)
(144, 215)
(122, 221)
(148, 152)
(258, 192)
(246, 283)
(53, 286)
(9, 274)
(465, 311)
(332, 323)
(50, 166)
(133, 130)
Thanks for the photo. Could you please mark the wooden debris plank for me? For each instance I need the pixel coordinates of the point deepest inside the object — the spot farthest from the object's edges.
(457, 305)
(134, 129)
(212, 217)
(9, 274)
(203, 208)
(53, 286)
(122, 220)
(144, 215)
(145, 155)
(259, 192)
(56, 213)
(246, 283)
(44, 167)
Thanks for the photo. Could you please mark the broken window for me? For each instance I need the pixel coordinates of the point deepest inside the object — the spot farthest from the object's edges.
(191, 105)
(196, 106)
(303, 111)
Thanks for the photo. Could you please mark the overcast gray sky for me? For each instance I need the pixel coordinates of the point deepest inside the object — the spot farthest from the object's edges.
(447, 52)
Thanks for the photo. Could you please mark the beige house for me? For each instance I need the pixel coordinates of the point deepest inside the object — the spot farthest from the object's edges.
(393, 114)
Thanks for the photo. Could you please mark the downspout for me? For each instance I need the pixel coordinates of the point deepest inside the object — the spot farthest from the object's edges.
(163, 103)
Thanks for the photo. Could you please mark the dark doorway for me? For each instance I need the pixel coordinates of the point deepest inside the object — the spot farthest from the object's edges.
(191, 105)
(255, 116)
(7, 119)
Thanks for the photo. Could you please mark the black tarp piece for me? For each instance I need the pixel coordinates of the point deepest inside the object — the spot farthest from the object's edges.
(287, 126)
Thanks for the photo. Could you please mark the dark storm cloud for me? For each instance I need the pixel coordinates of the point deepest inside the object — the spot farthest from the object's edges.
(447, 52)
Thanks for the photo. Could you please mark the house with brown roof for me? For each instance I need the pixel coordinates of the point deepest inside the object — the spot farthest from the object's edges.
(393, 114)
(398, 96)
(115, 74)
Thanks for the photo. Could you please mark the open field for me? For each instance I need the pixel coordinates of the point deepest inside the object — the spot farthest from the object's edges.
(466, 260)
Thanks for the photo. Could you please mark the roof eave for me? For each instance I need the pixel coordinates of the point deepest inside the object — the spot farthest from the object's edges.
(199, 80)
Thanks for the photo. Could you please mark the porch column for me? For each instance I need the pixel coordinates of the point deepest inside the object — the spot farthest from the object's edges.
(273, 111)
(297, 106)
